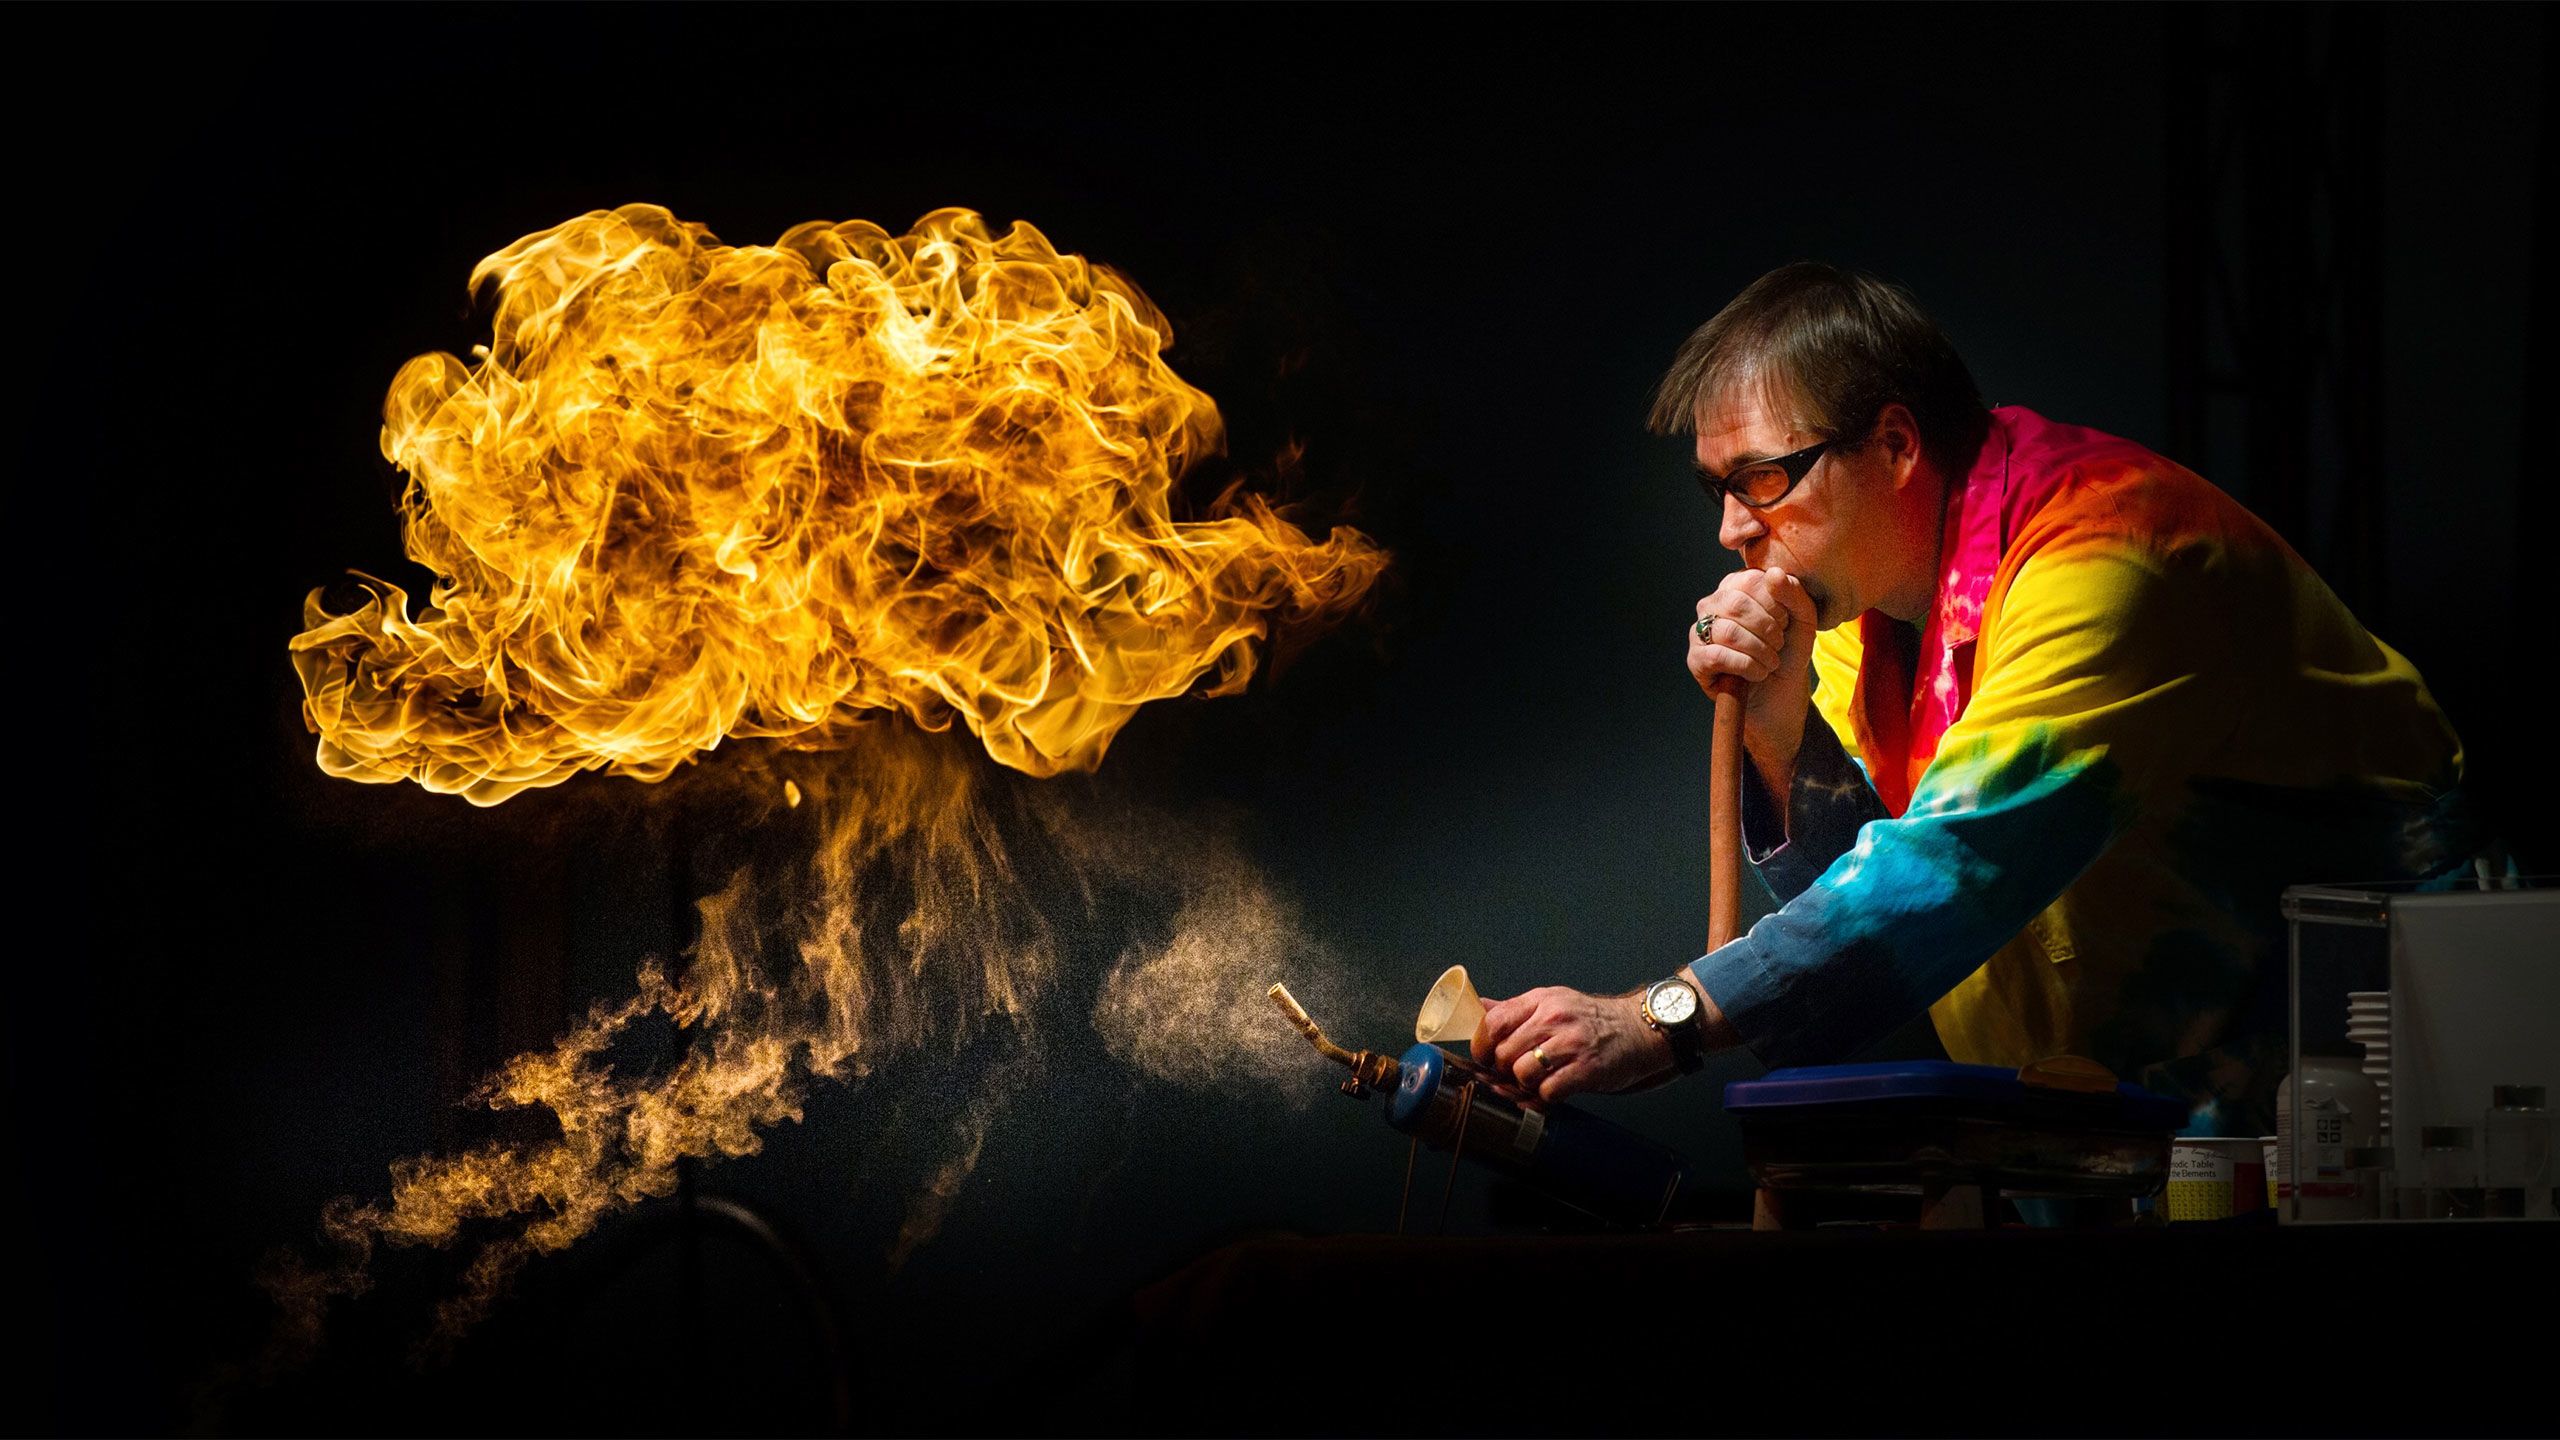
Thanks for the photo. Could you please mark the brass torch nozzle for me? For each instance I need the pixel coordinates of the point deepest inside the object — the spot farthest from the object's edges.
(1367, 1070)
(1297, 1015)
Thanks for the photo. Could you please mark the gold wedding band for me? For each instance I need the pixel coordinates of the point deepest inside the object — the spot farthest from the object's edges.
(1539, 1054)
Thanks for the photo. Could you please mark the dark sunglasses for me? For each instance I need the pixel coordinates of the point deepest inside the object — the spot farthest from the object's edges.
(1762, 483)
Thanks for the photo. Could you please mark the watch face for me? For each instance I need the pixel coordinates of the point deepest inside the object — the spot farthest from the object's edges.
(1672, 1002)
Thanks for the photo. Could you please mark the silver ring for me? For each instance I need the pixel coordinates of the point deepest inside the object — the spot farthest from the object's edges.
(1706, 628)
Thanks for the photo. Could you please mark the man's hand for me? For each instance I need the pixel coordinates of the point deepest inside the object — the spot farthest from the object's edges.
(1760, 626)
(1556, 1042)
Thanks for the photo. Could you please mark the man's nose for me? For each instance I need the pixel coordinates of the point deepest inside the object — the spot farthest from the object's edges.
(1739, 526)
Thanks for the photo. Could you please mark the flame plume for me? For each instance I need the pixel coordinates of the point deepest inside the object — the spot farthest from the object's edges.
(690, 492)
(909, 922)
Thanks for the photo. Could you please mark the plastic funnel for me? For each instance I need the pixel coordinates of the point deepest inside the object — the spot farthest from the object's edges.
(1451, 1011)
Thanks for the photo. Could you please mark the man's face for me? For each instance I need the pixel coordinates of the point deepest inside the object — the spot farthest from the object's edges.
(1832, 532)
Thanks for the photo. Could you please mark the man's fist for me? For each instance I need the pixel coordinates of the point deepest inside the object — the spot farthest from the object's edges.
(1759, 626)
(1554, 1042)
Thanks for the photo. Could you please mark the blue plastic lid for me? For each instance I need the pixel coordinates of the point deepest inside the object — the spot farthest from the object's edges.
(1992, 1089)
(1418, 1073)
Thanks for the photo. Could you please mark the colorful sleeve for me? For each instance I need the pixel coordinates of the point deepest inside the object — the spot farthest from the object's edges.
(2094, 693)
(1827, 802)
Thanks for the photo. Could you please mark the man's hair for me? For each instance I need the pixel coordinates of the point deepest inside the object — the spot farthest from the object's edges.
(1837, 347)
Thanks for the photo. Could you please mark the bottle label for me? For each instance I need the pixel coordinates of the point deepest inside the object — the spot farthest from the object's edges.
(2321, 1154)
(1533, 1128)
(2328, 1145)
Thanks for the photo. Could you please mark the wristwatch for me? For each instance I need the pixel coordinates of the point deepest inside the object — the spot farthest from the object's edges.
(1672, 1008)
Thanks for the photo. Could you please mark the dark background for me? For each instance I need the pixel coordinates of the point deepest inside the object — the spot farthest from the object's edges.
(1446, 250)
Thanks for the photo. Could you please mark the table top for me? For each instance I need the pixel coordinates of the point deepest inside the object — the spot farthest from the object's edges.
(1839, 1330)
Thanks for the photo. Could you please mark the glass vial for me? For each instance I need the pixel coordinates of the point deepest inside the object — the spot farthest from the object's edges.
(2448, 1176)
(2515, 1153)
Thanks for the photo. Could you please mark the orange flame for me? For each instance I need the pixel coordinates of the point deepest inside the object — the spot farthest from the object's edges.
(692, 492)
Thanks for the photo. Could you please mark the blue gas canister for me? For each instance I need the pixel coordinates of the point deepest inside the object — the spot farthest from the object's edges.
(1448, 1102)
(1569, 1155)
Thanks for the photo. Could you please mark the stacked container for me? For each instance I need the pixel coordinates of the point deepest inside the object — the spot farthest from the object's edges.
(2369, 1026)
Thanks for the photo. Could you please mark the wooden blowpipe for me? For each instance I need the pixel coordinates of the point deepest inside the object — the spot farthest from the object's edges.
(1724, 814)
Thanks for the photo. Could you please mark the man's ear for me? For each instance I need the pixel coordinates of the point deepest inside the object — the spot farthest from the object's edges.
(1897, 438)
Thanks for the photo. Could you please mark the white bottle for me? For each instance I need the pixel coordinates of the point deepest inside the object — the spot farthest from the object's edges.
(2341, 1111)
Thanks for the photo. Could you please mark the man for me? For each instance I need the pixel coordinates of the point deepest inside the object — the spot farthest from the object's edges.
(2039, 727)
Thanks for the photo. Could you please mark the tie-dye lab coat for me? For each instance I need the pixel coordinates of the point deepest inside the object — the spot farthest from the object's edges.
(2060, 821)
